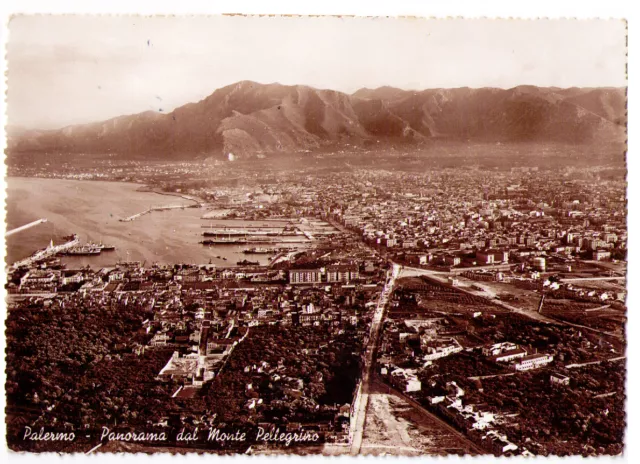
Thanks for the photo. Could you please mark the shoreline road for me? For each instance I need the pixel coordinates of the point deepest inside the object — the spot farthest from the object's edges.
(362, 400)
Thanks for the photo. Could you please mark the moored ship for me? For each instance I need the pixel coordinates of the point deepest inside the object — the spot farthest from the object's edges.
(223, 242)
(88, 249)
(258, 251)
(83, 250)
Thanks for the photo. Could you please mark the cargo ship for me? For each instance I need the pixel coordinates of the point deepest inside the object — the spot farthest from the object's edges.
(258, 251)
(223, 242)
(245, 262)
(82, 250)
(130, 264)
(88, 249)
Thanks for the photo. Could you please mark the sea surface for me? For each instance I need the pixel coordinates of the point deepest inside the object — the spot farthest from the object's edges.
(93, 209)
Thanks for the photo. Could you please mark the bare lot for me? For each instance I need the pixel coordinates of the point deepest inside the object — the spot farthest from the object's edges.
(394, 427)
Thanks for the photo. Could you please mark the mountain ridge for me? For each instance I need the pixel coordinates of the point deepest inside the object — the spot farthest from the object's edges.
(249, 118)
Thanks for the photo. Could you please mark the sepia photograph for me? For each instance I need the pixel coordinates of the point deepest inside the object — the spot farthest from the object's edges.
(315, 235)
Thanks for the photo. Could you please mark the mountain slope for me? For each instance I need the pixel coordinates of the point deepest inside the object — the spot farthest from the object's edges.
(248, 118)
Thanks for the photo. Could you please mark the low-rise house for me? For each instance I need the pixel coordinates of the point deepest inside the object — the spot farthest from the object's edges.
(498, 348)
(406, 379)
(159, 339)
(499, 442)
(559, 379)
(440, 348)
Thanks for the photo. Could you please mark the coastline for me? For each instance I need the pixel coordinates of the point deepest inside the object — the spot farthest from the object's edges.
(142, 187)
(193, 198)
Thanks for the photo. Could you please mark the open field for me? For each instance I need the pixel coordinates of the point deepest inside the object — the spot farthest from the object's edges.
(395, 427)
(423, 298)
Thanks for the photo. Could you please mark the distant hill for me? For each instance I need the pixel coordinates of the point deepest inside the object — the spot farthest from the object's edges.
(247, 118)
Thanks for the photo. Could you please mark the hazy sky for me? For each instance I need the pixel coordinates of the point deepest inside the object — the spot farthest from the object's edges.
(74, 69)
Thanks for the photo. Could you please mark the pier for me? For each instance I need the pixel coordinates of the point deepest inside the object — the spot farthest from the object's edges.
(247, 232)
(48, 252)
(211, 226)
(155, 208)
(25, 227)
(239, 240)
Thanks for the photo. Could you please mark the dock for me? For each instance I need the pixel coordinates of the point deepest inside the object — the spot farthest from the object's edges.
(249, 233)
(212, 226)
(48, 252)
(155, 208)
(239, 240)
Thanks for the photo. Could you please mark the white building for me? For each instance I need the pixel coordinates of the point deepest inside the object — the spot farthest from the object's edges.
(441, 349)
(510, 355)
(533, 361)
(559, 379)
(498, 348)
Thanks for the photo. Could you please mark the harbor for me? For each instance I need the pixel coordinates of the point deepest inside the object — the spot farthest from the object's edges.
(291, 231)
(93, 209)
(276, 240)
